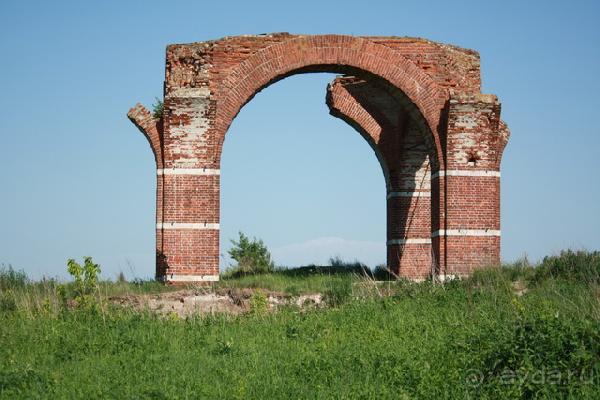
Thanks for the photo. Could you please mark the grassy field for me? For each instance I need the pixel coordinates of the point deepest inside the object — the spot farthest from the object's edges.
(515, 332)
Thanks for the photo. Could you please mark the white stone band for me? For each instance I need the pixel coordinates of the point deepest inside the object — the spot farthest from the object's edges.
(458, 172)
(186, 225)
(408, 194)
(409, 241)
(188, 171)
(202, 92)
(190, 278)
(466, 232)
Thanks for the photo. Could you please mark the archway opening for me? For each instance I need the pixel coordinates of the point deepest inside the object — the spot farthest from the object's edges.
(300, 180)
(400, 139)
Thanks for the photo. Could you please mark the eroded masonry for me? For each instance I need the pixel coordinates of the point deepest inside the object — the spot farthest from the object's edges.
(417, 103)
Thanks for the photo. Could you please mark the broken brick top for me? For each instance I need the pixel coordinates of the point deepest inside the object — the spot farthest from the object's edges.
(213, 80)
(189, 65)
(232, 70)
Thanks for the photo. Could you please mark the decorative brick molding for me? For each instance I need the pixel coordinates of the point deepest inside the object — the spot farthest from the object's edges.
(417, 103)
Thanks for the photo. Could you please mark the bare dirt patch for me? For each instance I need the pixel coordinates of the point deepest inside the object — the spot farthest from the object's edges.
(234, 301)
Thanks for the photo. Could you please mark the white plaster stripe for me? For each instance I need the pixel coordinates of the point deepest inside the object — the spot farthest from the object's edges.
(409, 241)
(188, 171)
(191, 278)
(189, 92)
(408, 194)
(186, 225)
(466, 232)
(458, 172)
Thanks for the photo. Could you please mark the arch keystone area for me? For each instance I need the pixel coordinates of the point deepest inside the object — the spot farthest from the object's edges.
(416, 102)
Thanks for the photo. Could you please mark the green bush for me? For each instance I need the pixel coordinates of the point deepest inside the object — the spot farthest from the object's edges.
(158, 109)
(86, 281)
(538, 353)
(579, 266)
(259, 303)
(252, 256)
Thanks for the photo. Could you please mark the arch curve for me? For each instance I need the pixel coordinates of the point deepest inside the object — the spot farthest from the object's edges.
(327, 53)
(340, 106)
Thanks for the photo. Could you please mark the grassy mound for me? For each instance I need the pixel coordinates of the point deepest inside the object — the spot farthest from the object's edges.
(513, 332)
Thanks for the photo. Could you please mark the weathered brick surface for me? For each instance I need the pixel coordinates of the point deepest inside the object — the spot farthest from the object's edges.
(417, 103)
(465, 253)
(412, 261)
(152, 129)
(191, 199)
(190, 251)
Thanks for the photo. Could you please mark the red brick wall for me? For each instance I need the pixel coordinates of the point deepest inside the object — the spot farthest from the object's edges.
(416, 102)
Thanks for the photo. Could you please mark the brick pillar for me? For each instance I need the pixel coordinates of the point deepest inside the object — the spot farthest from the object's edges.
(469, 236)
(188, 221)
(189, 226)
(408, 203)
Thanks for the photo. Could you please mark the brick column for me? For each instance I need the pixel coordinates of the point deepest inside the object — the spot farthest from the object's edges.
(469, 235)
(188, 224)
(408, 203)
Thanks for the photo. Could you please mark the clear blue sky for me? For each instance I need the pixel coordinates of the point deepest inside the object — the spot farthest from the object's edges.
(78, 179)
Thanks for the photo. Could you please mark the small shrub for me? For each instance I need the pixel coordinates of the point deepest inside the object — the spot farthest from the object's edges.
(578, 266)
(259, 303)
(252, 256)
(86, 281)
(158, 108)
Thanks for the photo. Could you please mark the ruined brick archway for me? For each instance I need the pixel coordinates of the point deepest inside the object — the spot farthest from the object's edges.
(417, 103)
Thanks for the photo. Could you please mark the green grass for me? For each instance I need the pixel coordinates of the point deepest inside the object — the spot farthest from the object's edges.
(289, 284)
(470, 339)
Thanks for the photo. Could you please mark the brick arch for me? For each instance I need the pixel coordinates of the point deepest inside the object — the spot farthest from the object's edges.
(343, 107)
(207, 83)
(368, 114)
(327, 53)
